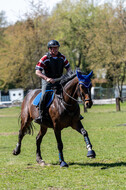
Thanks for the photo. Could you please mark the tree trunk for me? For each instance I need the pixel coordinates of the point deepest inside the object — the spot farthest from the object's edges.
(118, 104)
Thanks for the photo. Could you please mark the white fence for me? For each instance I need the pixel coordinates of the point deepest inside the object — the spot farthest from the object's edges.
(104, 101)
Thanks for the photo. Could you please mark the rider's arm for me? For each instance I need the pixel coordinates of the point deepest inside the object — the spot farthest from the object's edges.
(42, 76)
(69, 69)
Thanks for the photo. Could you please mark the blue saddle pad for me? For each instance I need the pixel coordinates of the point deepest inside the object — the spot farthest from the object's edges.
(37, 98)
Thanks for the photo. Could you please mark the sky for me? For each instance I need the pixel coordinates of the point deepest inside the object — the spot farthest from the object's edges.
(15, 9)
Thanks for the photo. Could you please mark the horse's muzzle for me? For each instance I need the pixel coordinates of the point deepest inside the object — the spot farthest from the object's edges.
(88, 104)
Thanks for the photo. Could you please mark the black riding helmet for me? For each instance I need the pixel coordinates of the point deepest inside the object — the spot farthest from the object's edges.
(53, 43)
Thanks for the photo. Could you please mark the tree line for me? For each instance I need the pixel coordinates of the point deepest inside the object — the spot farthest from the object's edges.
(91, 37)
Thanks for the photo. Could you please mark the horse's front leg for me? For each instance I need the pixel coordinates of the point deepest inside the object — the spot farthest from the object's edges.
(80, 129)
(60, 148)
(39, 137)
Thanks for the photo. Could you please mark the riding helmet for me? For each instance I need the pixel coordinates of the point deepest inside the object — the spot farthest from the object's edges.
(53, 43)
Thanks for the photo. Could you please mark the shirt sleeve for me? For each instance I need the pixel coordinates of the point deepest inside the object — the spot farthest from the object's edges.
(41, 64)
(66, 63)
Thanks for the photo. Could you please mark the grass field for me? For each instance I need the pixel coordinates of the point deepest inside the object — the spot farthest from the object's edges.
(107, 171)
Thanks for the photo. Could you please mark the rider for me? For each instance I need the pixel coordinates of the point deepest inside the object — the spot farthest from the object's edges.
(50, 67)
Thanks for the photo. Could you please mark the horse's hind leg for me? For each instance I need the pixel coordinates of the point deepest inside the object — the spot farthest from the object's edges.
(80, 129)
(39, 137)
(60, 148)
(23, 130)
(17, 150)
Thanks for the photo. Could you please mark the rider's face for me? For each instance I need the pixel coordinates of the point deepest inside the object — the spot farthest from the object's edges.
(54, 50)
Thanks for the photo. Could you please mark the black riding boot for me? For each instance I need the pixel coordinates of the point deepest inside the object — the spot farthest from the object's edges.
(81, 117)
(39, 118)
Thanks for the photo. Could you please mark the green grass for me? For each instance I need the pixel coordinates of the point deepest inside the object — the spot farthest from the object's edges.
(106, 172)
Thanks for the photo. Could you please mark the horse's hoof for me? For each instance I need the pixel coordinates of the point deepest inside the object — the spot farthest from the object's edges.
(42, 163)
(91, 154)
(63, 164)
(15, 152)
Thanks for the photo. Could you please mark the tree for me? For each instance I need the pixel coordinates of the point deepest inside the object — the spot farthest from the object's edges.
(110, 44)
(76, 22)
(2, 41)
(27, 42)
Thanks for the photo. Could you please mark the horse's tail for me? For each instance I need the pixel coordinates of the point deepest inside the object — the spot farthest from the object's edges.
(30, 127)
(19, 118)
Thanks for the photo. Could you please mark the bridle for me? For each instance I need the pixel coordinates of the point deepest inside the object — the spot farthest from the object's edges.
(71, 96)
(78, 89)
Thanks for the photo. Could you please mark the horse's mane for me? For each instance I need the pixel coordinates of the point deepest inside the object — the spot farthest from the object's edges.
(67, 77)
(70, 75)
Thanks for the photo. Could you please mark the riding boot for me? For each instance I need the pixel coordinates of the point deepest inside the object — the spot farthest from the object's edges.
(39, 118)
(81, 117)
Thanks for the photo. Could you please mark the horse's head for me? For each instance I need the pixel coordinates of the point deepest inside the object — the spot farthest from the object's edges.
(85, 88)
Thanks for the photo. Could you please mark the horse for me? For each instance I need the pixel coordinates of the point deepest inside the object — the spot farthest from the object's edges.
(64, 111)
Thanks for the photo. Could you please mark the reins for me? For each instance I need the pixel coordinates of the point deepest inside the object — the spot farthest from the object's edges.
(78, 101)
(71, 96)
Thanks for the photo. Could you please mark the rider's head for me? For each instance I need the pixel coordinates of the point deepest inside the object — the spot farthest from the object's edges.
(53, 43)
(53, 47)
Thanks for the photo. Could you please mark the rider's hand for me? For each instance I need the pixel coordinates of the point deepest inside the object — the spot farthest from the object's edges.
(50, 80)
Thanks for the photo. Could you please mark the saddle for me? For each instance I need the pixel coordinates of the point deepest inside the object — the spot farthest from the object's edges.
(48, 98)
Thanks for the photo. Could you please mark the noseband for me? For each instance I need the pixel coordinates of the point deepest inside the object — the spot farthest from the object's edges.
(86, 86)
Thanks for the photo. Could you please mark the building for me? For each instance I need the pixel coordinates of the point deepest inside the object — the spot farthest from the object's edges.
(12, 96)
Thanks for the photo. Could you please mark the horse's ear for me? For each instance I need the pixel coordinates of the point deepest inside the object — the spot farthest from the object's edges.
(90, 74)
(78, 74)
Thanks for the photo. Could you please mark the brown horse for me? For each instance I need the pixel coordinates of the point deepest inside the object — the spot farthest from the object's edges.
(64, 111)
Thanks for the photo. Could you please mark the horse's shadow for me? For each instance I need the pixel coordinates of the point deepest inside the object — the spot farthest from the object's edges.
(102, 165)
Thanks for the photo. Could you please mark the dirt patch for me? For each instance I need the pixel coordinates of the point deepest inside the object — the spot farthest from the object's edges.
(124, 124)
(8, 115)
(9, 133)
